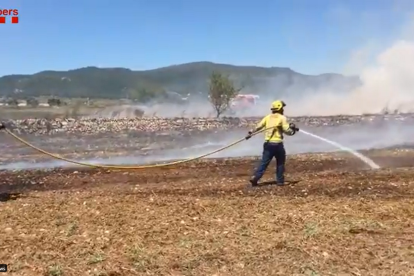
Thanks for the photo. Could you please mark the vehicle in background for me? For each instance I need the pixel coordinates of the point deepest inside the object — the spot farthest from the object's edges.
(244, 102)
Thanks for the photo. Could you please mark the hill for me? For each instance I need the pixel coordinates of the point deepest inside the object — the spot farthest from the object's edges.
(114, 83)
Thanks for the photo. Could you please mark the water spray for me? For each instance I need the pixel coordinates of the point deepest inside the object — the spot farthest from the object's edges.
(360, 156)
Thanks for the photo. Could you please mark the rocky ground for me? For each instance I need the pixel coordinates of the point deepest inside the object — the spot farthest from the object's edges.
(147, 125)
(333, 218)
(106, 138)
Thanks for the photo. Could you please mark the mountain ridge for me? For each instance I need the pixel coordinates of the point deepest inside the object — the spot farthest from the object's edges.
(119, 82)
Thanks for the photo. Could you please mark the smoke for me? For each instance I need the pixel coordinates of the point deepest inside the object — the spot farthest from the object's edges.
(384, 64)
(385, 83)
(384, 134)
(383, 70)
(192, 108)
(385, 86)
(388, 85)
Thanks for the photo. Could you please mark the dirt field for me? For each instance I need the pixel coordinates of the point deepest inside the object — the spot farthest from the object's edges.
(334, 218)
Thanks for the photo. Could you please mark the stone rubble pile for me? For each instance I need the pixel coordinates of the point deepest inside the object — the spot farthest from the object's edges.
(167, 125)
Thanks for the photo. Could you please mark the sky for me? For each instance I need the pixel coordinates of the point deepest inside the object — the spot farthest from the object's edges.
(308, 36)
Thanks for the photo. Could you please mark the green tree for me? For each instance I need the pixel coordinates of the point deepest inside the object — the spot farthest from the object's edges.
(12, 102)
(221, 92)
(54, 102)
(32, 102)
(145, 91)
(141, 95)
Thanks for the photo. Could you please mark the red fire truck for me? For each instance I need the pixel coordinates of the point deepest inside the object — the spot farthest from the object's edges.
(244, 101)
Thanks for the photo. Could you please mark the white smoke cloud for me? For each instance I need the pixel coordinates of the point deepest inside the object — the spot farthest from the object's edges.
(384, 64)
(387, 84)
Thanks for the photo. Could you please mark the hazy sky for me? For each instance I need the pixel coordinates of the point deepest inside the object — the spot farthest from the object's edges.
(309, 36)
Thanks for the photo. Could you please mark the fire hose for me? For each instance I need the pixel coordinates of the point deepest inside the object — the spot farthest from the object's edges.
(55, 156)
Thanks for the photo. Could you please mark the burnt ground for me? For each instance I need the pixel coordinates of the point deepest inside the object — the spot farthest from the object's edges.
(335, 217)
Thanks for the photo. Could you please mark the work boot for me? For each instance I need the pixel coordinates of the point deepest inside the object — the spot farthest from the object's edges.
(280, 181)
(253, 181)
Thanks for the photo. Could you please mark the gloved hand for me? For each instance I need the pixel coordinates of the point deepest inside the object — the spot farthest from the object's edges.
(249, 134)
(293, 127)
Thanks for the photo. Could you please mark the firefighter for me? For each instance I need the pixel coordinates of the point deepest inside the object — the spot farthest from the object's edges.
(273, 145)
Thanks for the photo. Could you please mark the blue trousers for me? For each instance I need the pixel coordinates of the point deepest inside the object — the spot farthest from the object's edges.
(270, 150)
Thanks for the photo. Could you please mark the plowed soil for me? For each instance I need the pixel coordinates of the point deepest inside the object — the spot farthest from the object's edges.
(335, 217)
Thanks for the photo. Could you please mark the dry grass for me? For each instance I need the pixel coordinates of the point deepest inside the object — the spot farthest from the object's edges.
(74, 109)
(21, 113)
(201, 220)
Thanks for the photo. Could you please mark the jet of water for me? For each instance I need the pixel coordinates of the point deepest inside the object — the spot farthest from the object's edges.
(360, 156)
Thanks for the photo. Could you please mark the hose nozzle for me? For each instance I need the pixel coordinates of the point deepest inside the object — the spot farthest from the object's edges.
(293, 127)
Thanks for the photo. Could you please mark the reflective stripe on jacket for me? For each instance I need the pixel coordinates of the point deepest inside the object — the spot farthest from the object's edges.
(279, 125)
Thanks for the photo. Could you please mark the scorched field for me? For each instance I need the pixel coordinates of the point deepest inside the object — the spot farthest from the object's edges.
(335, 217)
